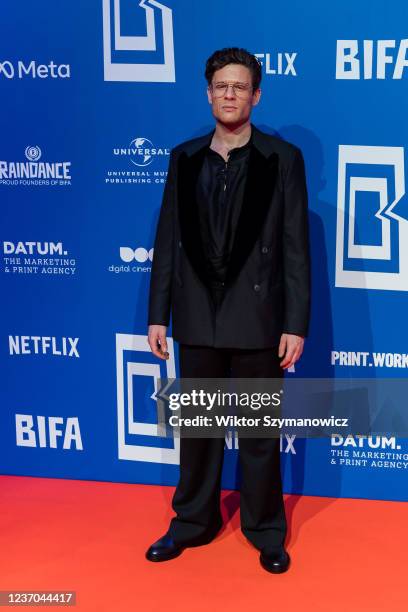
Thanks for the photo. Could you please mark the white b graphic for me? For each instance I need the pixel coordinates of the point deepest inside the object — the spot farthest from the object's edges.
(127, 424)
(347, 245)
(115, 43)
(140, 254)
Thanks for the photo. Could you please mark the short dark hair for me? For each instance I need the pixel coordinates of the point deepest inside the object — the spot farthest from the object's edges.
(234, 55)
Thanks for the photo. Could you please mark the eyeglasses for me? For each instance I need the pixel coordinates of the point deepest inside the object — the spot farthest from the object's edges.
(240, 90)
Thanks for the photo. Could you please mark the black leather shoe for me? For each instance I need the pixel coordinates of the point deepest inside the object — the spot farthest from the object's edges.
(164, 549)
(275, 562)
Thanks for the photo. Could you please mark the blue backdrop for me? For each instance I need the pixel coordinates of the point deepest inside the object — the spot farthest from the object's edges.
(94, 95)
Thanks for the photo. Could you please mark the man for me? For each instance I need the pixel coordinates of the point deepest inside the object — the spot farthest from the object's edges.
(231, 262)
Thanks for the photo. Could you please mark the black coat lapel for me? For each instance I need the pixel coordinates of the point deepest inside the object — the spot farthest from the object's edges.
(259, 188)
(188, 172)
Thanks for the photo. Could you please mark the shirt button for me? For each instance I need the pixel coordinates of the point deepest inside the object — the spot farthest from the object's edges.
(265, 249)
(257, 287)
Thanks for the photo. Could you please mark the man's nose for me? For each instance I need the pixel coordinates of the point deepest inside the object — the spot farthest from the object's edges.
(230, 92)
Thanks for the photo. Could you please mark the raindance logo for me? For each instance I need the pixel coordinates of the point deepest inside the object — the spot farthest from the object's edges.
(141, 153)
(37, 258)
(34, 172)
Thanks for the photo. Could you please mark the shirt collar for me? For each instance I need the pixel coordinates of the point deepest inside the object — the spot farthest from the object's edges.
(236, 152)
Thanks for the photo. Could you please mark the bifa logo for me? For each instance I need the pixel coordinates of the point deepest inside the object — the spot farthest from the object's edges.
(371, 59)
(48, 432)
(130, 56)
(141, 435)
(372, 234)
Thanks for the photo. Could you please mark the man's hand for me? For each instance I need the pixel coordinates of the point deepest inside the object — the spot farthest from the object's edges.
(290, 348)
(157, 341)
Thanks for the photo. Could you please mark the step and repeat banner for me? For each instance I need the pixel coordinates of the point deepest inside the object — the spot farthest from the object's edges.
(93, 97)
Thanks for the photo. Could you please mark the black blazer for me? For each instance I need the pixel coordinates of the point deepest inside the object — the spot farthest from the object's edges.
(267, 288)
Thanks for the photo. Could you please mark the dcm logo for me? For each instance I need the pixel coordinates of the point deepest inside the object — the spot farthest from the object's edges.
(372, 231)
(131, 57)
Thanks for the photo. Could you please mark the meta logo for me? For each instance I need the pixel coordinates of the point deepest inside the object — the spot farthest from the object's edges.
(48, 432)
(21, 70)
(371, 59)
(141, 152)
(278, 63)
(372, 232)
(43, 345)
(138, 42)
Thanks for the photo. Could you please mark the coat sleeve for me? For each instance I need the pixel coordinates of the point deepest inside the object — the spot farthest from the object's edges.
(296, 250)
(162, 265)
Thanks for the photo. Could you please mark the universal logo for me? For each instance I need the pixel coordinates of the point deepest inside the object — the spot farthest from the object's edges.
(141, 153)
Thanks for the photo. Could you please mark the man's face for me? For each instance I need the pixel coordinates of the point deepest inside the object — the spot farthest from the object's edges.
(232, 105)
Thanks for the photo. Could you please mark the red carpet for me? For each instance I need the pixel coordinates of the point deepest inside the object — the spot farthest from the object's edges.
(348, 555)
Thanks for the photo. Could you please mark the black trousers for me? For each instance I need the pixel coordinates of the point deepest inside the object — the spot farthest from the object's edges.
(196, 500)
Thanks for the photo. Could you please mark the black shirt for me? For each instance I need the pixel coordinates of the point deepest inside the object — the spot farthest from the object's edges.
(220, 191)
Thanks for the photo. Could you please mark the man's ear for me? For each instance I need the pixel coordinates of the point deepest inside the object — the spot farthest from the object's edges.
(256, 96)
(209, 95)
